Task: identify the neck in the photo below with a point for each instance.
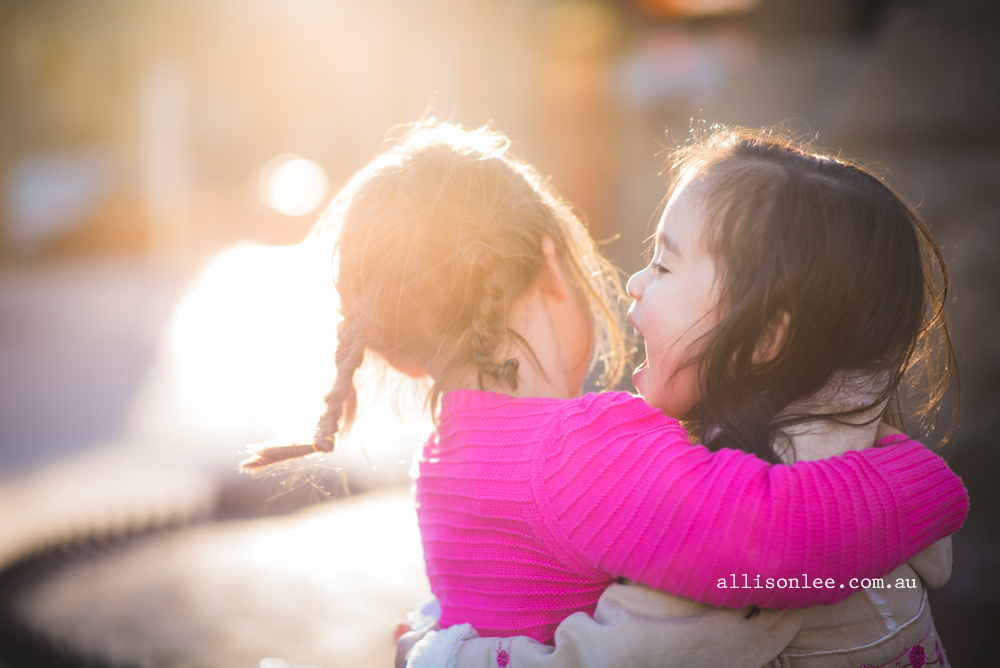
(819, 439)
(544, 370)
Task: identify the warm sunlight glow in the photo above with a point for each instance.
(292, 185)
(250, 356)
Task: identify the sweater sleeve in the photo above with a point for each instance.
(620, 489)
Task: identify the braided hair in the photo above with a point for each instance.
(436, 239)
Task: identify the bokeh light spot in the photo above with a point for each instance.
(292, 185)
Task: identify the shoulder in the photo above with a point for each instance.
(484, 408)
(592, 407)
(615, 412)
(895, 438)
(604, 429)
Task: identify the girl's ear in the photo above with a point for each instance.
(774, 338)
(553, 281)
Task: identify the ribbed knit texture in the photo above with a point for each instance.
(530, 508)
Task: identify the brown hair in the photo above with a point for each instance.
(436, 239)
(827, 247)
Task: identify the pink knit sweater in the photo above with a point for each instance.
(530, 508)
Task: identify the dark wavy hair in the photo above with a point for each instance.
(825, 251)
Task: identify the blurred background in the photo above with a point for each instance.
(161, 164)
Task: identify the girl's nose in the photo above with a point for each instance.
(635, 285)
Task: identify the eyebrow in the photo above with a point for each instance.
(669, 243)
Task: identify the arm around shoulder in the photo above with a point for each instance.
(622, 491)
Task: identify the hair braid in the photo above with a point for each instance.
(342, 399)
(488, 325)
(341, 402)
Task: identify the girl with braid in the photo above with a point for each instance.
(459, 263)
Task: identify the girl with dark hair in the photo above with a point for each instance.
(459, 263)
(787, 297)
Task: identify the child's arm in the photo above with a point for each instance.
(621, 491)
(632, 626)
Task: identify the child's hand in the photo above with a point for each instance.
(406, 642)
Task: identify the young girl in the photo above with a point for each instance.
(459, 263)
(787, 294)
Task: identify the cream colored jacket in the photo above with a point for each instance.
(636, 627)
